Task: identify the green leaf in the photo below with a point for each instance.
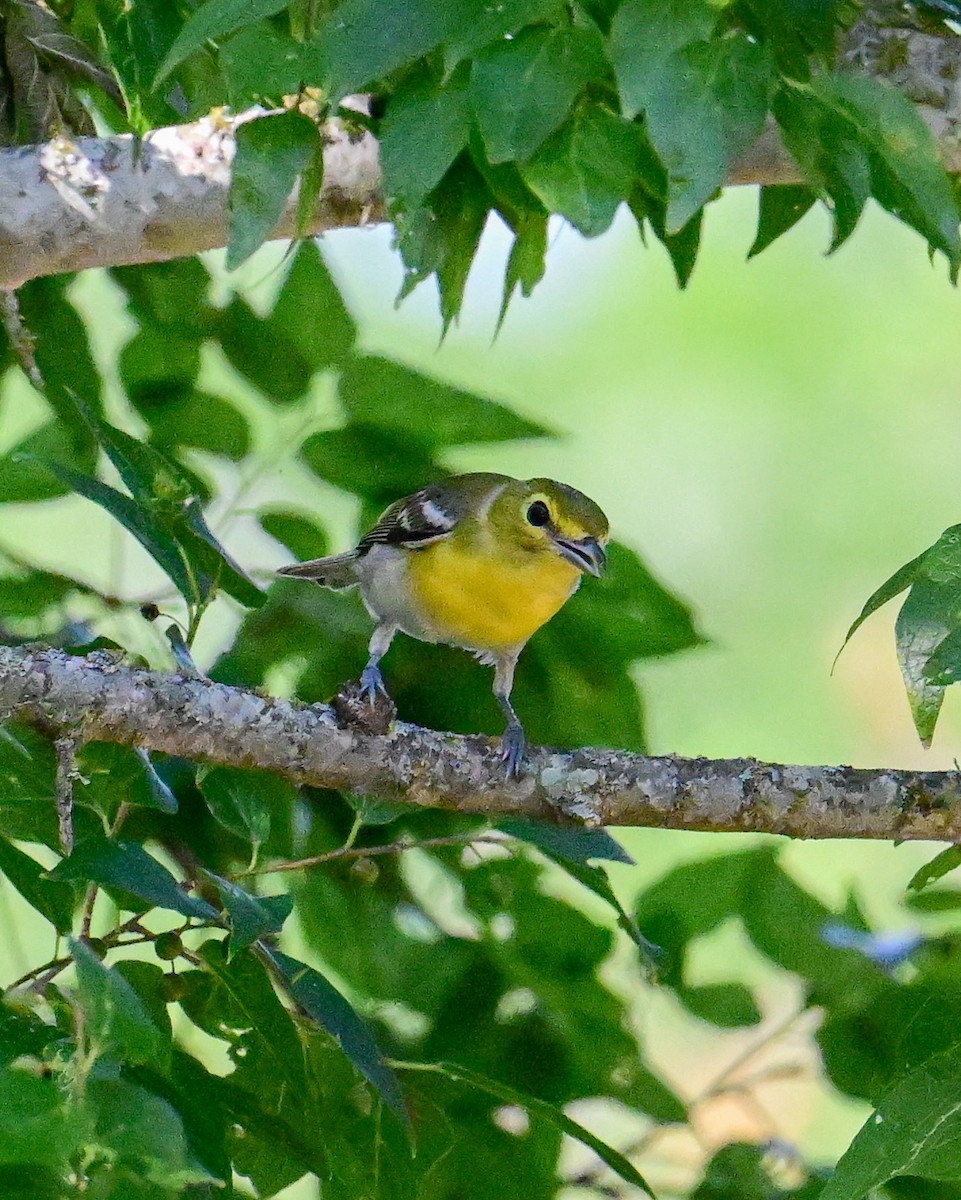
(419, 409)
(55, 901)
(230, 575)
(128, 866)
(325, 1005)
(362, 41)
(644, 36)
(213, 20)
(540, 1108)
(779, 209)
(311, 314)
(587, 168)
(523, 89)
(271, 152)
(369, 461)
(116, 1021)
(421, 134)
(572, 843)
(727, 1005)
(250, 917)
(926, 617)
(146, 1136)
(270, 354)
(475, 24)
(903, 577)
(948, 860)
(303, 537)
(916, 1131)
(527, 260)
(24, 478)
(242, 800)
(907, 177)
(707, 105)
(37, 1126)
(139, 521)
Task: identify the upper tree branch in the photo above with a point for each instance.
(86, 202)
(99, 699)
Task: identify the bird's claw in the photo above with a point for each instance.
(513, 746)
(372, 684)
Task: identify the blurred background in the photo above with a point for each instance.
(774, 442)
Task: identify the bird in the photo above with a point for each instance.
(480, 561)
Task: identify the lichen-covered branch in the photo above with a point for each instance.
(98, 698)
(73, 203)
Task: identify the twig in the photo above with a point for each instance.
(350, 851)
(66, 750)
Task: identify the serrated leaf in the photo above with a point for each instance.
(948, 860)
(55, 901)
(706, 106)
(779, 209)
(587, 168)
(903, 577)
(325, 1005)
(523, 89)
(272, 151)
(250, 917)
(915, 1131)
(116, 1021)
(527, 260)
(213, 20)
(128, 866)
(548, 1112)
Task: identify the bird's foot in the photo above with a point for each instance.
(372, 683)
(513, 746)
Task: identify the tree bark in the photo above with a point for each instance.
(98, 698)
(100, 202)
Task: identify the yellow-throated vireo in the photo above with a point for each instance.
(479, 561)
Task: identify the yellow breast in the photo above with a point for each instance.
(483, 602)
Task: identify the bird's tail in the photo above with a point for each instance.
(335, 571)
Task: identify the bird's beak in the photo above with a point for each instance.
(587, 554)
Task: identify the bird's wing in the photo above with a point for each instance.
(418, 520)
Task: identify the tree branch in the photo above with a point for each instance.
(97, 698)
(99, 202)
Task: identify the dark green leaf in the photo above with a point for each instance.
(644, 35)
(251, 917)
(421, 134)
(573, 843)
(780, 209)
(706, 106)
(55, 901)
(548, 1112)
(23, 477)
(325, 1005)
(364, 40)
(415, 407)
(37, 1126)
(242, 800)
(526, 263)
(303, 537)
(230, 575)
(728, 1005)
(116, 1021)
(903, 577)
(934, 900)
(926, 617)
(128, 866)
(369, 461)
(587, 168)
(139, 521)
(311, 312)
(948, 860)
(915, 1131)
(210, 21)
(523, 89)
(475, 24)
(271, 152)
(268, 352)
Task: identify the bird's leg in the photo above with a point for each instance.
(514, 742)
(371, 680)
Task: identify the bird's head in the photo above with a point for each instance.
(547, 515)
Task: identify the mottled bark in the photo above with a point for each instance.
(98, 698)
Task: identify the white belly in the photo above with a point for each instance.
(386, 590)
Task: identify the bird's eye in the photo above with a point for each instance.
(538, 513)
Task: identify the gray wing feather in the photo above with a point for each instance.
(417, 520)
(335, 571)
